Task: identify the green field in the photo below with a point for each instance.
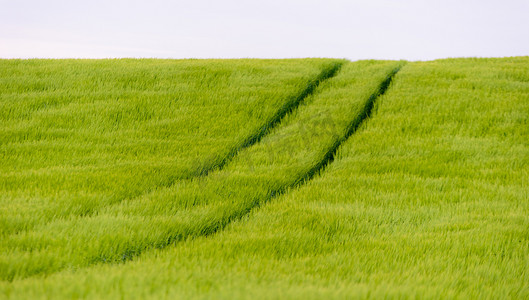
(301, 178)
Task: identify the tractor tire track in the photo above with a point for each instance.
(202, 171)
(328, 158)
(276, 119)
(225, 215)
(212, 225)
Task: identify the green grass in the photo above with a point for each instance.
(428, 198)
(76, 135)
(203, 205)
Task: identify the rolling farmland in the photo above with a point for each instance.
(306, 178)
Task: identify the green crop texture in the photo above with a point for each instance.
(304, 179)
(76, 136)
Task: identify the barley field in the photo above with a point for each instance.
(264, 179)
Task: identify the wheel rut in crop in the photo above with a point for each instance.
(290, 105)
(136, 242)
(286, 109)
(217, 224)
(327, 158)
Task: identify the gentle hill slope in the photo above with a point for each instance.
(428, 198)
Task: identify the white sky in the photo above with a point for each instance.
(380, 29)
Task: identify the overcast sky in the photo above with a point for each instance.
(380, 29)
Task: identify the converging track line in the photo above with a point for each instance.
(286, 109)
(208, 220)
(319, 167)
